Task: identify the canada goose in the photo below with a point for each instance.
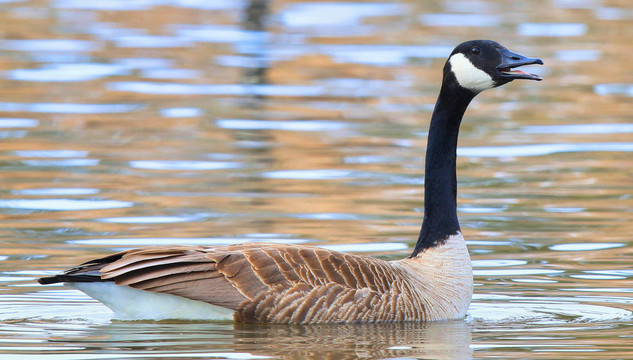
(279, 283)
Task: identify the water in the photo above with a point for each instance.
(129, 123)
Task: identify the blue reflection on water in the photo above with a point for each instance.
(181, 112)
(129, 5)
(131, 242)
(478, 20)
(540, 149)
(171, 73)
(578, 129)
(63, 204)
(53, 45)
(497, 262)
(552, 29)
(12, 134)
(576, 4)
(317, 174)
(302, 125)
(385, 246)
(138, 5)
(144, 63)
(382, 54)
(17, 122)
(51, 153)
(578, 55)
(57, 191)
(62, 162)
(183, 165)
(67, 72)
(68, 108)
(241, 61)
(378, 55)
(148, 219)
(219, 34)
(151, 41)
(336, 13)
(224, 89)
(610, 13)
(614, 89)
(585, 246)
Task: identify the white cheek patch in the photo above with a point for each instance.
(468, 75)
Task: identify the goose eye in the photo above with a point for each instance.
(475, 51)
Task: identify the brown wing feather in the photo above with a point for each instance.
(179, 270)
(302, 284)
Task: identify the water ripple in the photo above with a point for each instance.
(63, 204)
(222, 89)
(337, 13)
(151, 41)
(299, 125)
(67, 72)
(52, 45)
(133, 242)
(614, 89)
(541, 149)
(144, 63)
(578, 129)
(363, 247)
(383, 55)
(57, 191)
(51, 153)
(18, 122)
(584, 246)
(171, 73)
(317, 174)
(478, 20)
(515, 272)
(220, 34)
(110, 5)
(552, 29)
(149, 219)
(139, 5)
(578, 55)
(68, 108)
(181, 112)
(183, 165)
(497, 262)
(62, 162)
(542, 311)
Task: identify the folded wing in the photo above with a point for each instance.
(262, 282)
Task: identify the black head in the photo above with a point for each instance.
(478, 65)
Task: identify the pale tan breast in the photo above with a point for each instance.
(443, 278)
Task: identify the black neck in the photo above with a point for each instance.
(440, 179)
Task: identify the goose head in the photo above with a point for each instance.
(478, 65)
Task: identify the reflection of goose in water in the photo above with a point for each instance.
(410, 340)
(430, 340)
(302, 284)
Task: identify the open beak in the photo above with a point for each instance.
(510, 60)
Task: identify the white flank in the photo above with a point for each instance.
(133, 304)
(468, 75)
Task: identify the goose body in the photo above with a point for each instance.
(280, 283)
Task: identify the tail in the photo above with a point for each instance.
(86, 272)
(62, 278)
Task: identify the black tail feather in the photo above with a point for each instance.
(86, 272)
(69, 278)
